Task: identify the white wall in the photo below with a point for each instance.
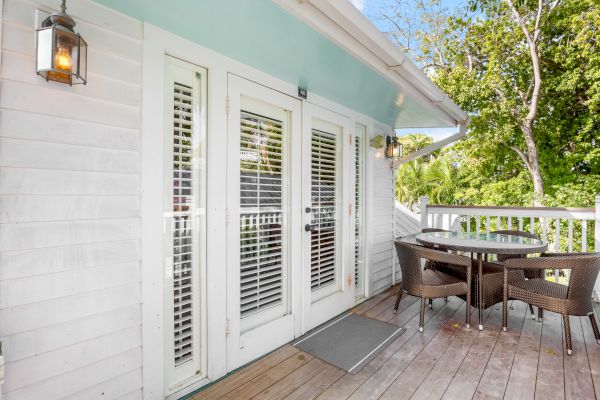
(69, 212)
(382, 222)
(70, 276)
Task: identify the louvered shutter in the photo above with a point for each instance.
(262, 244)
(324, 209)
(183, 208)
(184, 227)
(357, 208)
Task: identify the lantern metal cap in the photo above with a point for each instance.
(60, 18)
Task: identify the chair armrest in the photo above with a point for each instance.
(562, 261)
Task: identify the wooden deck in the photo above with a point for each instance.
(446, 361)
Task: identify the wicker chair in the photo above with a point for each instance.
(529, 274)
(430, 283)
(572, 299)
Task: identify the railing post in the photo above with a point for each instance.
(596, 294)
(597, 225)
(423, 201)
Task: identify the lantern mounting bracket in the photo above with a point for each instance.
(60, 18)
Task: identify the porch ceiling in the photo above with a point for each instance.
(266, 37)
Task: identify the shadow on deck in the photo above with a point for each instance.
(445, 361)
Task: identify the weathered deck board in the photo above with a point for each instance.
(446, 361)
(550, 383)
(521, 383)
(578, 378)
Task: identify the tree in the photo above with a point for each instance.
(528, 72)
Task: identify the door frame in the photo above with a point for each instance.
(156, 43)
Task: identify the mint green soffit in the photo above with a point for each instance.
(261, 34)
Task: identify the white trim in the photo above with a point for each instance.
(434, 146)
(156, 44)
(1, 8)
(375, 349)
(346, 26)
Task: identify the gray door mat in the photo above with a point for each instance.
(349, 341)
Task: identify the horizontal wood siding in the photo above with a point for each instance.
(382, 226)
(70, 312)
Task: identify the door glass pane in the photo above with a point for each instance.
(261, 213)
(324, 209)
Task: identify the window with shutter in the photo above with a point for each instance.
(358, 210)
(261, 213)
(183, 207)
(324, 209)
(184, 224)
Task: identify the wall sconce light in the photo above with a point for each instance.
(61, 53)
(393, 149)
(377, 142)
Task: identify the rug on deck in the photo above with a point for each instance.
(350, 341)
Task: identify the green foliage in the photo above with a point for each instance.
(482, 61)
(436, 177)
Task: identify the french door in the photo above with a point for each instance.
(262, 264)
(328, 262)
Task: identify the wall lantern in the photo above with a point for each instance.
(61, 52)
(393, 148)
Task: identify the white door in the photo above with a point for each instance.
(263, 268)
(328, 173)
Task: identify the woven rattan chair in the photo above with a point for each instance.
(529, 274)
(430, 283)
(572, 299)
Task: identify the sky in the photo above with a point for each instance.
(371, 9)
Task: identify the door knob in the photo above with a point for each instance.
(307, 210)
(309, 228)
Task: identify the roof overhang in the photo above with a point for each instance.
(342, 23)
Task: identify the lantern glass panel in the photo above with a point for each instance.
(44, 50)
(82, 66)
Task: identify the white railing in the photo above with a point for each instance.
(563, 229)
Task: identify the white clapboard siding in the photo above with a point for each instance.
(26, 208)
(65, 309)
(49, 260)
(42, 182)
(19, 12)
(18, 67)
(19, 236)
(24, 125)
(28, 371)
(381, 226)
(28, 344)
(16, 292)
(118, 387)
(70, 312)
(43, 155)
(79, 379)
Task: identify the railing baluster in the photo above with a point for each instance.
(468, 224)
(509, 222)
(583, 236)
(570, 235)
(532, 224)
(478, 223)
(521, 223)
(557, 246)
(487, 224)
(545, 230)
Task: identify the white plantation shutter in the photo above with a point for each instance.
(358, 210)
(183, 209)
(262, 242)
(324, 209)
(184, 183)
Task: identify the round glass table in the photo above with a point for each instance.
(479, 244)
